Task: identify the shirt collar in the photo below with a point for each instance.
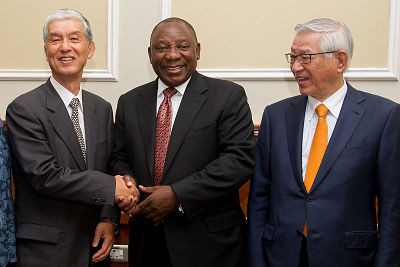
(65, 94)
(181, 88)
(333, 103)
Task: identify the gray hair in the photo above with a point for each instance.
(65, 13)
(335, 36)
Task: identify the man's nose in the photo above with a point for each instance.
(173, 54)
(296, 66)
(65, 45)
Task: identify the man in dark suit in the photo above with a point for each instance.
(189, 153)
(64, 201)
(312, 201)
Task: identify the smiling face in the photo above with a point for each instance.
(323, 76)
(173, 52)
(67, 49)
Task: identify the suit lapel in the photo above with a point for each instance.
(349, 117)
(146, 113)
(62, 124)
(90, 118)
(192, 101)
(294, 126)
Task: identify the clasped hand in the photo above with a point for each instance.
(126, 193)
(160, 202)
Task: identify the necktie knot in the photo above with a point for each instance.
(169, 92)
(321, 110)
(74, 103)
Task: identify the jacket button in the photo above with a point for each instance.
(309, 198)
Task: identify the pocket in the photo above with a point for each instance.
(224, 221)
(38, 232)
(269, 232)
(202, 130)
(361, 239)
(358, 149)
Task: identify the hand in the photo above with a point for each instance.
(160, 202)
(104, 230)
(128, 204)
(121, 188)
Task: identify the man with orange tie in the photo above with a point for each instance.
(322, 159)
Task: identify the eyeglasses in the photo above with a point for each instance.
(303, 58)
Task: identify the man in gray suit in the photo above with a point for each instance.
(61, 140)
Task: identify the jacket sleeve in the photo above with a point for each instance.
(36, 162)
(7, 227)
(234, 163)
(259, 196)
(119, 164)
(388, 188)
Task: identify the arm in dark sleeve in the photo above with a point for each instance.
(111, 212)
(259, 196)
(119, 164)
(234, 164)
(388, 191)
(29, 142)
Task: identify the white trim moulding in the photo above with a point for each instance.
(390, 73)
(109, 74)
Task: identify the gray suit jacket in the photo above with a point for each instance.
(59, 199)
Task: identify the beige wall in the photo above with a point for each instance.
(136, 20)
(257, 33)
(24, 40)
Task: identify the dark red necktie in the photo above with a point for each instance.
(163, 132)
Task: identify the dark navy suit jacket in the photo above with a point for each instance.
(362, 161)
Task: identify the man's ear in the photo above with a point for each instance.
(198, 51)
(92, 47)
(149, 53)
(342, 59)
(45, 52)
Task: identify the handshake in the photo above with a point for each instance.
(126, 193)
(160, 201)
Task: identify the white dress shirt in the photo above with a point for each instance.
(175, 99)
(334, 104)
(66, 97)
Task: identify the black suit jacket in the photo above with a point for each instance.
(59, 199)
(210, 155)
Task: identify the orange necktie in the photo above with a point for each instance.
(318, 147)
